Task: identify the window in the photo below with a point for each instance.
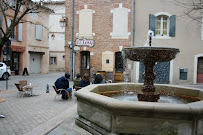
(53, 61)
(38, 32)
(162, 24)
(14, 33)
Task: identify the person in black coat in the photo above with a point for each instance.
(63, 83)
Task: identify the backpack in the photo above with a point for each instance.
(64, 94)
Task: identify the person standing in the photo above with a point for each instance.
(63, 83)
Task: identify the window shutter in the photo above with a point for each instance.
(8, 22)
(38, 32)
(172, 31)
(20, 32)
(152, 23)
(202, 30)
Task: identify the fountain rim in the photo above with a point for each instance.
(134, 106)
(151, 48)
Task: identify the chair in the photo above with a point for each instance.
(21, 90)
(23, 83)
(58, 91)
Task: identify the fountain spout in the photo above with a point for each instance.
(151, 34)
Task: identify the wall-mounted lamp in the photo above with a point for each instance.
(52, 36)
(76, 49)
(63, 22)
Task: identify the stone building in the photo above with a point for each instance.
(56, 36)
(101, 29)
(172, 29)
(29, 42)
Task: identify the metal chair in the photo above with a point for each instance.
(21, 90)
(58, 91)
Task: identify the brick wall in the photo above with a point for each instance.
(102, 27)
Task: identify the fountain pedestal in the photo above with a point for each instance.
(148, 90)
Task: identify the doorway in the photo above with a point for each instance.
(119, 62)
(15, 63)
(85, 63)
(34, 63)
(200, 70)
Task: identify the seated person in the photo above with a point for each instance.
(76, 81)
(84, 81)
(99, 79)
(63, 83)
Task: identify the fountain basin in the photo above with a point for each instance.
(104, 115)
(156, 54)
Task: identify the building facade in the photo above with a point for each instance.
(29, 43)
(57, 36)
(102, 28)
(172, 29)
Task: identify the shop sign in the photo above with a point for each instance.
(84, 42)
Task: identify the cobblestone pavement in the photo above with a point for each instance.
(33, 115)
(40, 114)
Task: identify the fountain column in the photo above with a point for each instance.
(148, 90)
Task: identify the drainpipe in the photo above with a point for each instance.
(133, 44)
(133, 23)
(71, 51)
(1, 24)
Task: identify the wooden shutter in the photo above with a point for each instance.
(20, 32)
(152, 23)
(172, 31)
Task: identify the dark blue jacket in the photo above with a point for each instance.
(62, 83)
(83, 84)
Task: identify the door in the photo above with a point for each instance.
(162, 71)
(119, 62)
(85, 63)
(200, 70)
(15, 61)
(34, 63)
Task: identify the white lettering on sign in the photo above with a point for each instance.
(85, 42)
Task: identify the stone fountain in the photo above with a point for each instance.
(100, 114)
(149, 56)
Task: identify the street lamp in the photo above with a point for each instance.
(63, 22)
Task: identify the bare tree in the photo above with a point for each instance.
(19, 9)
(192, 8)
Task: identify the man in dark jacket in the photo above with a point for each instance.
(63, 83)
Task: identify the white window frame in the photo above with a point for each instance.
(159, 36)
(161, 29)
(53, 60)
